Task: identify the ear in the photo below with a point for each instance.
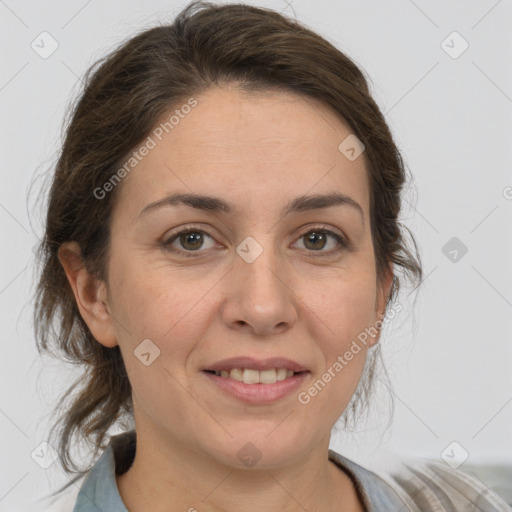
(90, 295)
(383, 290)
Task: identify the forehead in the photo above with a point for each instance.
(268, 145)
(229, 121)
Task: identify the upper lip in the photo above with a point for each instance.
(256, 364)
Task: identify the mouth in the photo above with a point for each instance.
(256, 381)
(249, 376)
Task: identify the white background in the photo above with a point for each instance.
(450, 356)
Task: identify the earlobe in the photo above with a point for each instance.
(90, 295)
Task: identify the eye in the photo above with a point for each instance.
(190, 240)
(317, 239)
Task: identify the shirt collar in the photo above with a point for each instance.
(99, 492)
(374, 492)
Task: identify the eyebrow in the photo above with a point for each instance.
(216, 204)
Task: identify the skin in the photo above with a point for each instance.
(257, 151)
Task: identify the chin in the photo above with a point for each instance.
(256, 449)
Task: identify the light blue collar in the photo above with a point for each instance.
(99, 492)
(376, 494)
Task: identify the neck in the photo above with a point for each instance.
(167, 475)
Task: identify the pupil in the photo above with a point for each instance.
(193, 237)
(315, 237)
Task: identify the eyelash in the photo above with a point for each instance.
(194, 254)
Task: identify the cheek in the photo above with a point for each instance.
(153, 301)
(343, 311)
(167, 307)
(343, 306)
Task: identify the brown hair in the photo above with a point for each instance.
(124, 95)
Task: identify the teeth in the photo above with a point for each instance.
(256, 377)
(281, 374)
(237, 374)
(268, 376)
(251, 376)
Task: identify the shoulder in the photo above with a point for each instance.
(421, 485)
(434, 486)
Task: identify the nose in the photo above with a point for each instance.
(260, 298)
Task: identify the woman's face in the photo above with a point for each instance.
(250, 280)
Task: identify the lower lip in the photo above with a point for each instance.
(258, 393)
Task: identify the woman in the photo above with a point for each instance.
(222, 248)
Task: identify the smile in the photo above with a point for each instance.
(247, 385)
(248, 376)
